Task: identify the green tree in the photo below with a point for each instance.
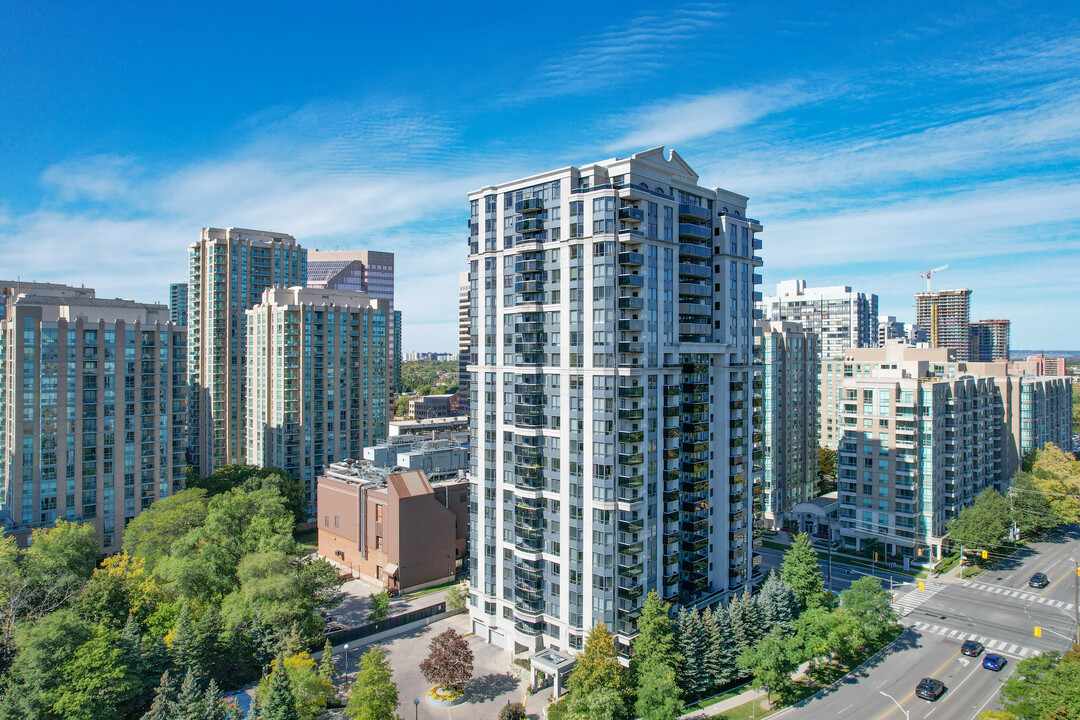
(602, 703)
(380, 606)
(870, 605)
(189, 701)
(373, 696)
(41, 651)
(778, 602)
(694, 644)
(1031, 508)
(655, 643)
(771, 661)
(183, 644)
(513, 711)
(720, 654)
(252, 478)
(801, 572)
(97, 683)
(826, 470)
(278, 702)
(598, 665)
(658, 693)
(310, 690)
(152, 533)
(327, 666)
(456, 598)
(984, 524)
(401, 407)
(162, 707)
(1044, 687)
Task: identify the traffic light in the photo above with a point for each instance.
(920, 553)
(984, 554)
(921, 585)
(1038, 631)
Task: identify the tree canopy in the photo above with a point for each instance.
(373, 696)
(801, 572)
(984, 524)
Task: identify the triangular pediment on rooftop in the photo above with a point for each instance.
(673, 164)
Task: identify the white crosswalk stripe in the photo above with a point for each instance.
(989, 643)
(917, 597)
(1018, 594)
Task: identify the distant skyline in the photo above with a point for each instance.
(874, 142)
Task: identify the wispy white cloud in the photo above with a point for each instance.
(634, 47)
(702, 116)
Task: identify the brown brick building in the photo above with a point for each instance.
(396, 530)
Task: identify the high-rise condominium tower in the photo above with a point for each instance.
(464, 342)
(841, 317)
(228, 271)
(367, 271)
(611, 397)
(316, 371)
(93, 410)
(990, 340)
(178, 303)
(946, 315)
(791, 366)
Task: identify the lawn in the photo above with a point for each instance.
(309, 540)
(702, 704)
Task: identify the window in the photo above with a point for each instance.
(378, 513)
(337, 521)
(378, 542)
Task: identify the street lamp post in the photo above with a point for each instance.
(346, 667)
(907, 715)
(416, 708)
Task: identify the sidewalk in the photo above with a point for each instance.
(741, 699)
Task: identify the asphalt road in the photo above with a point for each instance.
(997, 607)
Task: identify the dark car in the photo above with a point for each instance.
(971, 648)
(993, 662)
(333, 627)
(930, 689)
(1039, 580)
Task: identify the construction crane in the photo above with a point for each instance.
(928, 273)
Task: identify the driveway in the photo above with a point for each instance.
(493, 685)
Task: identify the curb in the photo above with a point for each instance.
(806, 701)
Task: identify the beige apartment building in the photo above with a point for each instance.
(920, 434)
(316, 378)
(394, 529)
(228, 269)
(93, 408)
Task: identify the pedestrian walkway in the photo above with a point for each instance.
(917, 597)
(1019, 594)
(998, 646)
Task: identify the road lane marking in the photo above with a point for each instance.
(989, 643)
(848, 707)
(931, 712)
(1051, 585)
(1013, 648)
(883, 682)
(912, 693)
(1042, 600)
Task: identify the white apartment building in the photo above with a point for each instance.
(842, 318)
(920, 434)
(317, 375)
(612, 413)
(228, 269)
(790, 371)
(93, 408)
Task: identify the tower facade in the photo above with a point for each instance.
(946, 315)
(464, 342)
(790, 370)
(178, 303)
(228, 269)
(841, 317)
(93, 403)
(612, 413)
(990, 340)
(316, 370)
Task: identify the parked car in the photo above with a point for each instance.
(993, 662)
(333, 627)
(971, 648)
(930, 689)
(1039, 580)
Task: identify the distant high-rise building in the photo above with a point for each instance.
(915, 334)
(316, 373)
(93, 403)
(946, 315)
(841, 317)
(368, 271)
(464, 342)
(612, 400)
(790, 363)
(178, 301)
(228, 271)
(921, 434)
(1047, 365)
(990, 340)
(889, 329)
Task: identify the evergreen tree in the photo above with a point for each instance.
(720, 655)
(694, 644)
(213, 705)
(184, 645)
(131, 645)
(162, 708)
(741, 633)
(598, 665)
(753, 617)
(189, 703)
(208, 646)
(373, 696)
(327, 666)
(778, 603)
(658, 693)
(801, 572)
(655, 643)
(279, 703)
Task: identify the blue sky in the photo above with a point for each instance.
(875, 140)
